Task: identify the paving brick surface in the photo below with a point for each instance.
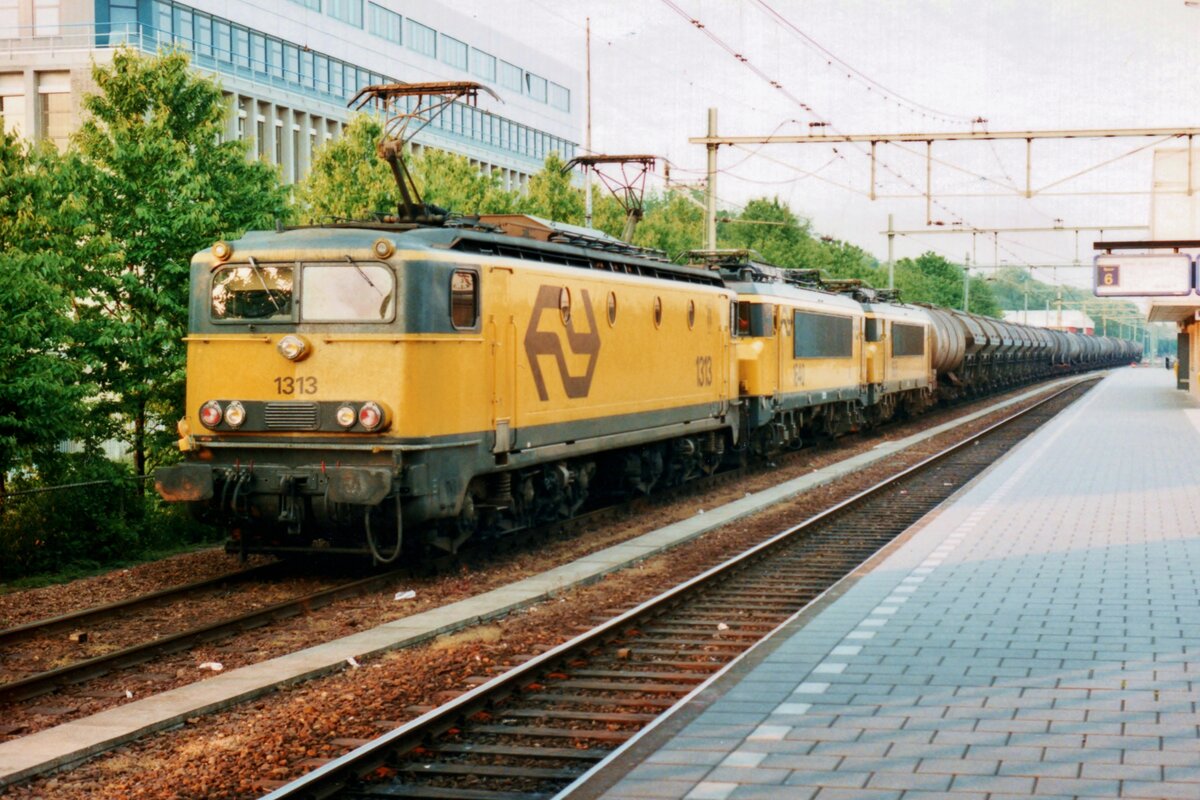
(1039, 637)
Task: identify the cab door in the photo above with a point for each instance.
(501, 337)
(875, 347)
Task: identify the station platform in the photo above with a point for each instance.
(1039, 636)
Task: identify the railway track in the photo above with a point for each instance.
(533, 730)
(90, 668)
(90, 616)
(83, 670)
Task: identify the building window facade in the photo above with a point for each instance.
(560, 97)
(421, 38)
(45, 17)
(10, 19)
(535, 86)
(241, 47)
(203, 34)
(222, 46)
(348, 11)
(122, 19)
(511, 76)
(385, 24)
(12, 103)
(453, 51)
(483, 66)
(54, 107)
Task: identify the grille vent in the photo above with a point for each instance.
(291, 416)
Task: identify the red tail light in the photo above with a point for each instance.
(370, 416)
(211, 414)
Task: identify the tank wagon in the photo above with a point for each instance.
(391, 388)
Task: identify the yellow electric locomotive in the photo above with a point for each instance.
(900, 373)
(354, 386)
(799, 351)
(819, 358)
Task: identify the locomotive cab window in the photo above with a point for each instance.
(254, 292)
(873, 330)
(743, 319)
(464, 299)
(755, 319)
(347, 292)
(336, 292)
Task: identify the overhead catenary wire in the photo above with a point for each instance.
(637, 54)
(954, 217)
(745, 61)
(853, 73)
(811, 173)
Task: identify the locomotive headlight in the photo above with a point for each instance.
(293, 348)
(235, 414)
(346, 416)
(370, 416)
(210, 414)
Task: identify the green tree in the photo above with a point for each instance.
(450, 181)
(770, 228)
(162, 185)
(551, 194)
(673, 224)
(843, 260)
(347, 179)
(41, 389)
(983, 301)
(607, 213)
(931, 278)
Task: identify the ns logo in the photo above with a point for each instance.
(548, 343)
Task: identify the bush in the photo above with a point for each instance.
(108, 520)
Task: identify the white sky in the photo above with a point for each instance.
(1021, 64)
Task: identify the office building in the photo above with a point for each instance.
(289, 67)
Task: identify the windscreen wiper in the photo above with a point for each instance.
(261, 279)
(364, 275)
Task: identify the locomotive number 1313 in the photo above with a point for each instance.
(302, 385)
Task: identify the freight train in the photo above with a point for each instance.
(392, 388)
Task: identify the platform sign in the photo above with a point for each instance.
(1143, 275)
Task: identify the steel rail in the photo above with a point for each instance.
(330, 779)
(52, 680)
(75, 618)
